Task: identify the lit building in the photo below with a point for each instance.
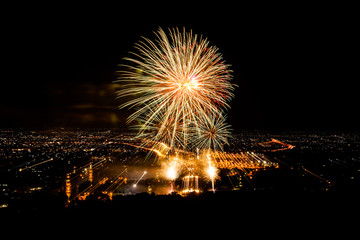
(68, 186)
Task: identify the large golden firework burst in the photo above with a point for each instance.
(179, 86)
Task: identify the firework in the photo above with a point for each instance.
(212, 133)
(136, 183)
(212, 174)
(179, 86)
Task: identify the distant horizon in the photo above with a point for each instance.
(237, 131)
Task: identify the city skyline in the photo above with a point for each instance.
(294, 71)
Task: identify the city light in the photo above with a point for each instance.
(120, 168)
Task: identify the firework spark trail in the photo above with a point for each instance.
(116, 183)
(178, 83)
(36, 164)
(135, 184)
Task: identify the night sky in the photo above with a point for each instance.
(294, 65)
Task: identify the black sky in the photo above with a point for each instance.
(294, 65)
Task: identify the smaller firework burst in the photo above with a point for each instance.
(212, 132)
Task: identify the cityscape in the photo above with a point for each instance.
(230, 111)
(68, 168)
